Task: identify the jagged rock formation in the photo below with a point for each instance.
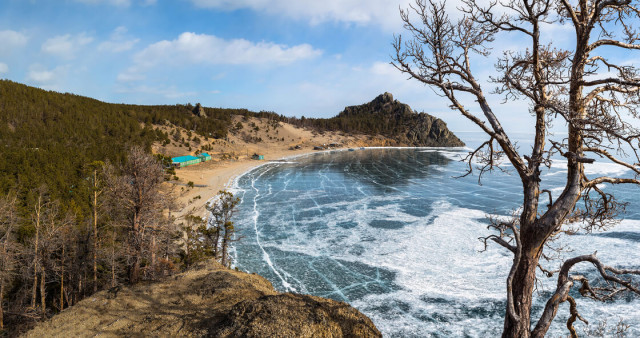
(399, 122)
(207, 301)
(198, 110)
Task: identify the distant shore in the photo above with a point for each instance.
(211, 177)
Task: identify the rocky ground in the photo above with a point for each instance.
(208, 300)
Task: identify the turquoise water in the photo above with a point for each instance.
(391, 232)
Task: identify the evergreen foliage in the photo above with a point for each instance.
(51, 138)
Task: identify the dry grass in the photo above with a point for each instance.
(207, 301)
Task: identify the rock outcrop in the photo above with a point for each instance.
(207, 301)
(198, 110)
(399, 122)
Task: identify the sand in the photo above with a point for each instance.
(232, 157)
(211, 177)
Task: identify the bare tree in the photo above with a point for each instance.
(8, 247)
(581, 88)
(138, 203)
(221, 228)
(95, 168)
(40, 209)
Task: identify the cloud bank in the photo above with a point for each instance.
(376, 12)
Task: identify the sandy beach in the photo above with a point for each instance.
(231, 157)
(211, 177)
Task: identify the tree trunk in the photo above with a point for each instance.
(216, 241)
(95, 232)
(5, 266)
(42, 291)
(136, 246)
(62, 282)
(153, 251)
(35, 258)
(2, 304)
(225, 245)
(113, 258)
(522, 293)
(134, 270)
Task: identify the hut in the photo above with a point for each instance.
(183, 161)
(204, 157)
(257, 157)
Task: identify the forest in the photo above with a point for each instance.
(71, 223)
(81, 203)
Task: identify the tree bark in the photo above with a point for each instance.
(34, 292)
(62, 282)
(2, 304)
(42, 291)
(153, 251)
(113, 258)
(134, 269)
(522, 291)
(95, 231)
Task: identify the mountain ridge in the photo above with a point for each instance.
(403, 124)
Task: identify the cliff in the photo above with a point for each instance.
(207, 301)
(399, 122)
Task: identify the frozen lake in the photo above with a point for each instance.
(391, 232)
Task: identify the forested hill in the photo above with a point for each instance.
(51, 138)
(393, 119)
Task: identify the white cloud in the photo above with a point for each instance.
(11, 39)
(202, 49)
(130, 76)
(66, 46)
(170, 92)
(377, 12)
(41, 75)
(208, 49)
(4, 68)
(118, 42)
(118, 3)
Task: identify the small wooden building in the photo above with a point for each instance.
(204, 157)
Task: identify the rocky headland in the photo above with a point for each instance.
(397, 121)
(211, 301)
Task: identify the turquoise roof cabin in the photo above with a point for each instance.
(204, 157)
(183, 161)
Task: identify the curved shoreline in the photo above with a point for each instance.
(211, 177)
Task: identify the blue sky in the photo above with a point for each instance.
(302, 57)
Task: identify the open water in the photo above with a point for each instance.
(393, 233)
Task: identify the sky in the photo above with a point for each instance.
(295, 57)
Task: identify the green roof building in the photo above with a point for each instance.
(183, 161)
(204, 157)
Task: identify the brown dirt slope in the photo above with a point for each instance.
(207, 301)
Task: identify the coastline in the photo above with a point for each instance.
(211, 177)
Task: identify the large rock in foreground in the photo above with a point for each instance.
(207, 301)
(397, 121)
(293, 315)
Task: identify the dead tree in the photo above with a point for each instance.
(95, 168)
(221, 228)
(580, 88)
(8, 247)
(138, 203)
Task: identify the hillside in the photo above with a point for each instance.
(64, 230)
(207, 301)
(393, 120)
(49, 138)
